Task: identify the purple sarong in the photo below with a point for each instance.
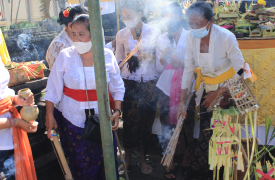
(85, 158)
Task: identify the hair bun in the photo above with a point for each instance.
(67, 14)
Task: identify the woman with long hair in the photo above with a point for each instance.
(140, 77)
(170, 55)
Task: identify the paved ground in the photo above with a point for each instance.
(153, 158)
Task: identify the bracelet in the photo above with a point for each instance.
(118, 111)
(10, 122)
(14, 123)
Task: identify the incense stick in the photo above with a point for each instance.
(170, 150)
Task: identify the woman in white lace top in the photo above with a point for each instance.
(65, 38)
(66, 84)
(140, 77)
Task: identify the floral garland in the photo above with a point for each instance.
(66, 12)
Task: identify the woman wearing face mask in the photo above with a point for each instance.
(140, 77)
(215, 50)
(65, 38)
(72, 74)
(170, 53)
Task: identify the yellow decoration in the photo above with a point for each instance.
(3, 50)
(221, 152)
(262, 61)
(72, 2)
(262, 2)
(217, 80)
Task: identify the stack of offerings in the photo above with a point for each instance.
(226, 15)
(248, 23)
(258, 21)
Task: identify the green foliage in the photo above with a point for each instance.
(266, 148)
(267, 128)
(24, 25)
(20, 25)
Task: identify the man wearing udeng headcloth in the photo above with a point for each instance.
(215, 50)
(140, 78)
(170, 54)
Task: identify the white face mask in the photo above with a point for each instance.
(83, 47)
(131, 24)
(200, 33)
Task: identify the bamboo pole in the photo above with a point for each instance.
(61, 157)
(117, 16)
(121, 156)
(102, 89)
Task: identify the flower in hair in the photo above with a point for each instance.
(66, 12)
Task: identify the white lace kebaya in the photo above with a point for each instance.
(59, 43)
(124, 45)
(68, 71)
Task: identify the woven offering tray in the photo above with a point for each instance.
(241, 94)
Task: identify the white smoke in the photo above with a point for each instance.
(9, 168)
(167, 133)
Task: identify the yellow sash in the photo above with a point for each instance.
(216, 80)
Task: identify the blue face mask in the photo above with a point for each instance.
(200, 33)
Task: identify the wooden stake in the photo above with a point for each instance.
(61, 157)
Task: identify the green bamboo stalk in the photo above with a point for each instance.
(102, 89)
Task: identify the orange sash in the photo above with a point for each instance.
(23, 160)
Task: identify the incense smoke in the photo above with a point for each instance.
(167, 132)
(9, 168)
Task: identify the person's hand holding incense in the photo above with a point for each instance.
(209, 98)
(166, 51)
(182, 108)
(181, 111)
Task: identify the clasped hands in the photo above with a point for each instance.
(174, 60)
